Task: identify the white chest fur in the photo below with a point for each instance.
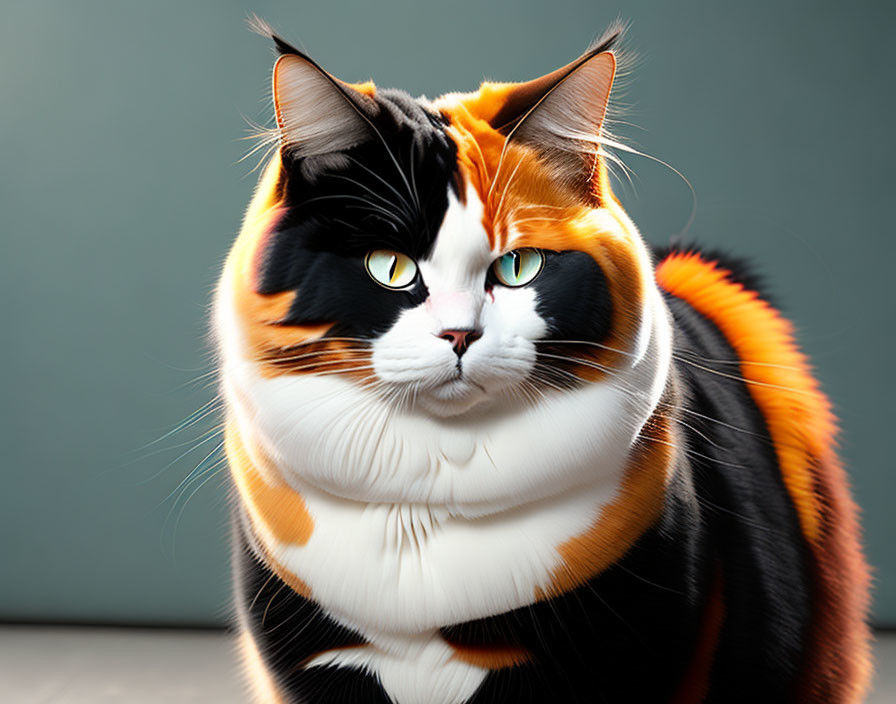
(409, 568)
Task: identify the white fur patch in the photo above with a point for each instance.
(413, 670)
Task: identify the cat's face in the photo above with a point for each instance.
(437, 267)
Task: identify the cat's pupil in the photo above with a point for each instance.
(392, 265)
(517, 263)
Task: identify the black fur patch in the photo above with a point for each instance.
(392, 193)
(573, 297)
(290, 629)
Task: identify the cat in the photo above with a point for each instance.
(488, 446)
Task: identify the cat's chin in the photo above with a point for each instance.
(453, 398)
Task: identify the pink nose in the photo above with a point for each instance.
(460, 339)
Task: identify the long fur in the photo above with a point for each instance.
(613, 479)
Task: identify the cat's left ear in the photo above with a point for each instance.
(561, 115)
(317, 114)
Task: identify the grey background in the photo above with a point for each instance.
(122, 187)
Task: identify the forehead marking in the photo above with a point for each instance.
(463, 232)
(462, 249)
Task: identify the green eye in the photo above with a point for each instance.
(391, 269)
(518, 267)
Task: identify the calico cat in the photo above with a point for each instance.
(489, 447)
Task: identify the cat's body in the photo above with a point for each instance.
(520, 457)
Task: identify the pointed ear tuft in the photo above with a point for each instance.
(316, 113)
(263, 28)
(609, 40)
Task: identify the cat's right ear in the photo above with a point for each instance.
(317, 114)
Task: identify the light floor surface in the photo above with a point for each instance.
(56, 665)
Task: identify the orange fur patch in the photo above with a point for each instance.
(491, 657)
(637, 506)
(367, 88)
(277, 509)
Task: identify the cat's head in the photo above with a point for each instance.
(452, 263)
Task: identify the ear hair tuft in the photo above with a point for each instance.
(610, 38)
(263, 28)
